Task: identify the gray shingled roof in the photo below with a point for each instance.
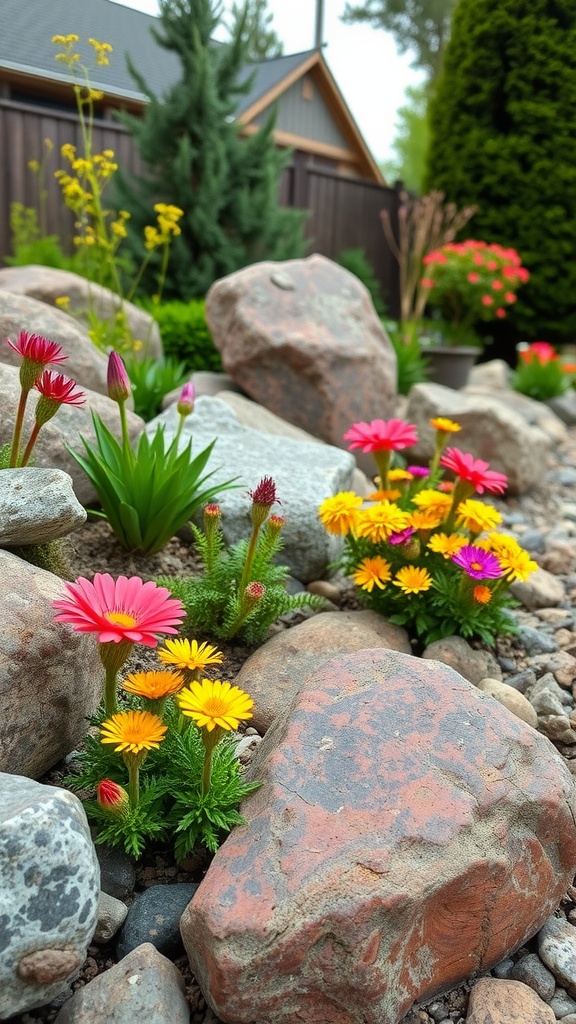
(27, 27)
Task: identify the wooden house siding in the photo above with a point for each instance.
(344, 211)
(309, 118)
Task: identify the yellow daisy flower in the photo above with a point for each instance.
(444, 425)
(338, 514)
(372, 572)
(188, 654)
(477, 516)
(396, 476)
(379, 521)
(516, 565)
(384, 495)
(211, 703)
(431, 499)
(412, 580)
(446, 544)
(153, 685)
(133, 731)
(426, 519)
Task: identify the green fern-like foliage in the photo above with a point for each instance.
(212, 601)
(171, 805)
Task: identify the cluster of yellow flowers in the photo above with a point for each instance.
(166, 226)
(68, 55)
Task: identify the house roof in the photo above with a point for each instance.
(26, 49)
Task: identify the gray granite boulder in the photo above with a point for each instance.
(144, 986)
(48, 284)
(49, 883)
(51, 678)
(64, 429)
(85, 363)
(36, 506)
(491, 430)
(305, 474)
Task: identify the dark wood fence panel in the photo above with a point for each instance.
(344, 213)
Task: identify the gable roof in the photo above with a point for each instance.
(27, 28)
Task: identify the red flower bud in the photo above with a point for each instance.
(112, 798)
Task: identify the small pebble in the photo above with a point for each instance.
(530, 970)
(155, 917)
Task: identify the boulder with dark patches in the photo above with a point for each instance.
(49, 884)
(409, 832)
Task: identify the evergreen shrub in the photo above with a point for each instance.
(503, 136)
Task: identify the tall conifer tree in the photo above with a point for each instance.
(194, 158)
(503, 136)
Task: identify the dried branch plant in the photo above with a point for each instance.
(424, 224)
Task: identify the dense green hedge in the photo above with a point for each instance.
(185, 334)
(503, 135)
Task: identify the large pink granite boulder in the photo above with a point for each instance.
(303, 339)
(409, 832)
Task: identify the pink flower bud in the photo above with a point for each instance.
(118, 382)
(112, 798)
(186, 401)
(263, 497)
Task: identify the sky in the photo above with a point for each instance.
(369, 72)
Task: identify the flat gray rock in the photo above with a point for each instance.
(305, 474)
(37, 505)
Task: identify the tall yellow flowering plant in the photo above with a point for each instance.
(100, 230)
(423, 550)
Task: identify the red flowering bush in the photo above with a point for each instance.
(471, 281)
(541, 373)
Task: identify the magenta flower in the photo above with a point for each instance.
(186, 401)
(401, 536)
(121, 610)
(381, 435)
(476, 472)
(57, 388)
(37, 349)
(477, 563)
(117, 379)
(419, 471)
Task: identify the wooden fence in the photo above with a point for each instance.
(344, 212)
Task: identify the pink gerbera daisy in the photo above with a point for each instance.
(476, 472)
(381, 435)
(121, 610)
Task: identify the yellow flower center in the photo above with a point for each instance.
(120, 619)
(216, 707)
(476, 566)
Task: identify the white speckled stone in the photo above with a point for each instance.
(37, 505)
(557, 948)
(49, 884)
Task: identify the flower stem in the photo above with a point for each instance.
(133, 782)
(31, 443)
(206, 772)
(382, 460)
(16, 436)
(249, 559)
(110, 702)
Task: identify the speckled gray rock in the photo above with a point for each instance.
(49, 883)
(557, 948)
(472, 664)
(530, 970)
(64, 429)
(491, 429)
(37, 505)
(144, 986)
(305, 474)
(562, 1003)
(111, 917)
(541, 590)
(48, 283)
(85, 363)
(51, 677)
